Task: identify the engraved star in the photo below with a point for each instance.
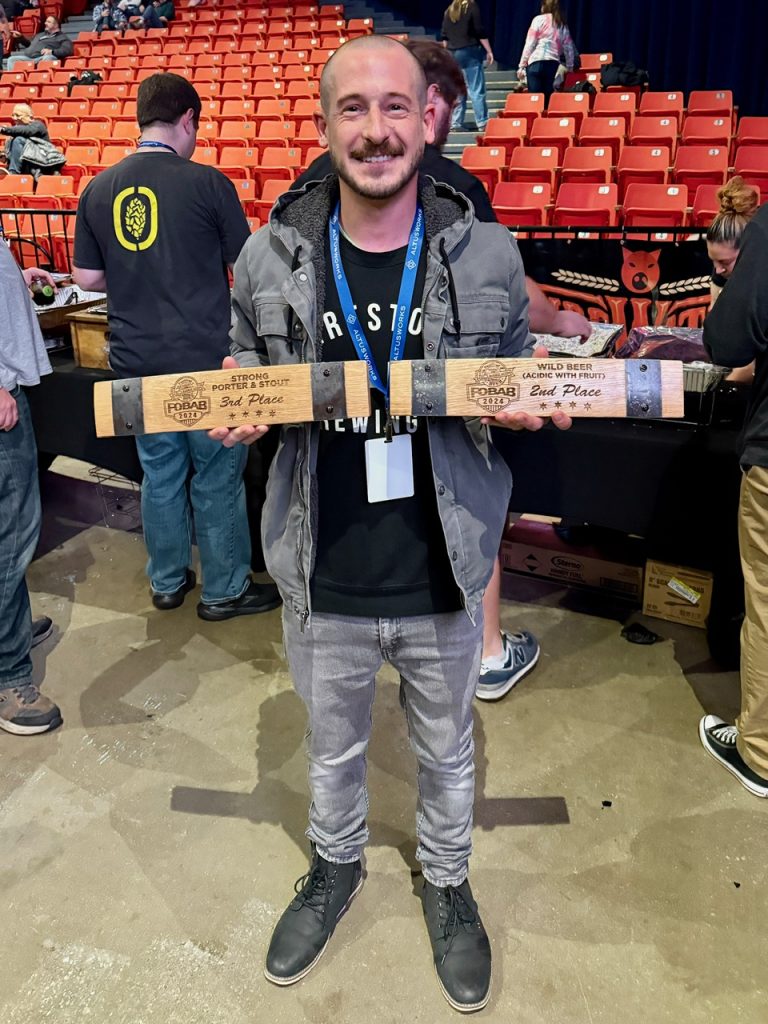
(232, 416)
(543, 405)
(245, 415)
(573, 405)
(558, 405)
(271, 413)
(587, 406)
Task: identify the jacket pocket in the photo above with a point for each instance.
(281, 332)
(483, 323)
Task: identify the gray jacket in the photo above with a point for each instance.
(278, 299)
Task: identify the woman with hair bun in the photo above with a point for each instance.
(738, 202)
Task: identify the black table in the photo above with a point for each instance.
(62, 413)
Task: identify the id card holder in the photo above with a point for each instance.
(389, 468)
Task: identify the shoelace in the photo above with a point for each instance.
(458, 912)
(313, 889)
(725, 734)
(27, 694)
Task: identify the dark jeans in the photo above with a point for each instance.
(151, 17)
(19, 531)
(541, 77)
(107, 22)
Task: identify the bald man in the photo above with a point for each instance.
(25, 126)
(381, 533)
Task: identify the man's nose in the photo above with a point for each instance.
(375, 126)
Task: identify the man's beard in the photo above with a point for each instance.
(375, 189)
(442, 128)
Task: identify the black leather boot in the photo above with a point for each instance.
(460, 946)
(304, 930)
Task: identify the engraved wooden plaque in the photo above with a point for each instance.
(645, 388)
(229, 398)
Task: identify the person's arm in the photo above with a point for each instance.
(478, 30)
(231, 222)
(736, 330)
(530, 43)
(444, 28)
(32, 130)
(546, 318)
(88, 270)
(569, 50)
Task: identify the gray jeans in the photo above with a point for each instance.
(334, 665)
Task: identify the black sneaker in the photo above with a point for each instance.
(258, 597)
(719, 740)
(460, 946)
(166, 602)
(24, 711)
(304, 930)
(41, 630)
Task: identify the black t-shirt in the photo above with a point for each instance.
(163, 229)
(467, 31)
(389, 558)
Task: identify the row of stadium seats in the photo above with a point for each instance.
(712, 103)
(691, 166)
(521, 204)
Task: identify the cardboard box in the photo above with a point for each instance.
(677, 593)
(532, 548)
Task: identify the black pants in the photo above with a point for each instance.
(541, 77)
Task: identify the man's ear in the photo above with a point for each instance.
(322, 126)
(429, 123)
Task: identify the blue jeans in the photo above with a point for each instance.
(14, 151)
(334, 664)
(151, 17)
(20, 58)
(541, 77)
(217, 496)
(471, 60)
(19, 531)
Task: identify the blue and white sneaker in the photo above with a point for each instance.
(520, 652)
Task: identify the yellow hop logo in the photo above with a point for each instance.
(136, 217)
(136, 225)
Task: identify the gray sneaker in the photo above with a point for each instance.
(521, 652)
(24, 711)
(41, 630)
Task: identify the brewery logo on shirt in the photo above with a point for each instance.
(492, 388)
(134, 216)
(186, 404)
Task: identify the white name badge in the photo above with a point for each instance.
(389, 468)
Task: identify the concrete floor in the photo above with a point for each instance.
(149, 846)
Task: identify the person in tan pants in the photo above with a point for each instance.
(736, 333)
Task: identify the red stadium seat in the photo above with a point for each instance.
(654, 131)
(604, 131)
(536, 164)
(752, 131)
(663, 104)
(507, 133)
(586, 205)
(570, 104)
(706, 206)
(751, 163)
(558, 132)
(648, 165)
(587, 164)
(616, 104)
(700, 165)
(486, 162)
(706, 130)
(655, 206)
(522, 204)
(528, 105)
(711, 103)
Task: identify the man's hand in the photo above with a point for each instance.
(569, 324)
(247, 434)
(36, 274)
(9, 413)
(526, 420)
(46, 53)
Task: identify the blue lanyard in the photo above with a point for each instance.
(404, 299)
(157, 145)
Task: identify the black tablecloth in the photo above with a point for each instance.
(62, 413)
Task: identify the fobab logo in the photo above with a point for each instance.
(185, 403)
(492, 388)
